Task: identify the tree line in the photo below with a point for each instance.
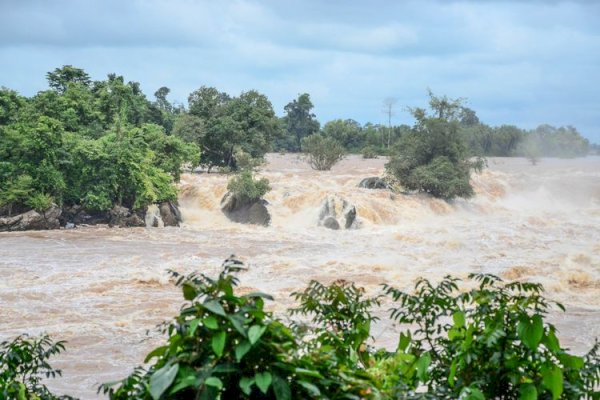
(104, 143)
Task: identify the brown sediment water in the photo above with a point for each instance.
(101, 289)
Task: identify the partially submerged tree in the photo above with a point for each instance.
(433, 157)
(322, 152)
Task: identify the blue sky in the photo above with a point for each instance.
(516, 62)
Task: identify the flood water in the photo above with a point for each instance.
(100, 289)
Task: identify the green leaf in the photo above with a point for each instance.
(238, 324)
(22, 395)
(474, 394)
(453, 369)
(422, 365)
(241, 350)
(187, 381)
(246, 385)
(214, 382)
(569, 361)
(255, 333)
(218, 343)
(404, 341)
(531, 332)
(281, 388)
(161, 379)
(551, 341)
(528, 391)
(263, 381)
(157, 352)
(459, 319)
(189, 291)
(553, 380)
(312, 389)
(215, 307)
(211, 322)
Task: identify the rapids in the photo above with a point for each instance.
(101, 289)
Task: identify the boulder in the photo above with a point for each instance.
(32, 220)
(170, 214)
(245, 212)
(374, 182)
(336, 213)
(78, 215)
(123, 217)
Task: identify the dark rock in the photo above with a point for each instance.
(123, 217)
(331, 223)
(32, 220)
(78, 215)
(254, 212)
(374, 182)
(338, 209)
(170, 213)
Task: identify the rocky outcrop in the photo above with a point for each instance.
(245, 212)
(32, 220)
(169, 213)
(374, 182)
(123, 217)
(337, 213)
(78, 215)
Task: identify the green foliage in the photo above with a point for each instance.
(369, 152)
(490, 341)
(246, 189)
(433, 157)
(299, 122)
(222, 125)
(322, 152)
(23, 363)
(40, 202)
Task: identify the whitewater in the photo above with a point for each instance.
(102, 289)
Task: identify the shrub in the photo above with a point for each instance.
(246, 189)
(369, 152)
(23, 362)
(40, 202)
(245, 161)
(490, 342)
(433, 156)
(322, 152)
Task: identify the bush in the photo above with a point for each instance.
(322, 152)
(246, 189)
(369, 152)
(23, 362)
(433, 156)
(40, 202)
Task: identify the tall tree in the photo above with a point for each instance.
(388, 109)
(299, 120)
(60, 78)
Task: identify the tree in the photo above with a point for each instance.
(299, 120)
(246, 123)
(322, 152)
(347, 132)
(433, 157)
(61, 78)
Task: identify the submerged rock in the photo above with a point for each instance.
(374, 182)
(32, 220)
(254, 212)
(336, 213)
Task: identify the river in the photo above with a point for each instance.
(101, 289)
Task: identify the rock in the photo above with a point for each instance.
(123, 217)
(373, 182)
(254, 212)
(32, 220)
(69, 225)
(337, 212)
(78, 215)
(331, 223)
(170, 214)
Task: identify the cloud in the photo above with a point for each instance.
(522, 63)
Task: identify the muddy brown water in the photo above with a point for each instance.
(101, 289)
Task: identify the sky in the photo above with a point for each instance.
(523, 63)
